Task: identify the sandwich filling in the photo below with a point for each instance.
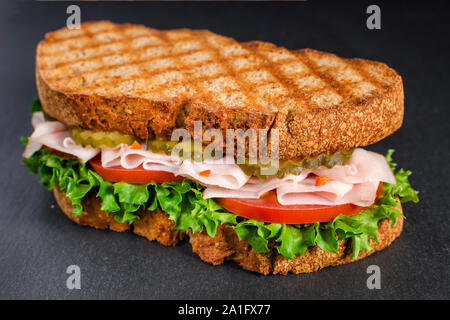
(312, 205)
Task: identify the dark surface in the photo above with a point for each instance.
(37, 242)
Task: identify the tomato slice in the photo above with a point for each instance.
(268, 209)
(135, 176)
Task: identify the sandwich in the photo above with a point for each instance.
(111, 97)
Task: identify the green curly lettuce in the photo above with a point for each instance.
(183, 201)
(35, 106)
(184, 204)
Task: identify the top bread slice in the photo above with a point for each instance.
(145, 82)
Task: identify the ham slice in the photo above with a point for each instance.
(362, 166)
(221, 174)
(253, 189)
(305, 192)
(129, 158)
(55, 135)
(356, 182)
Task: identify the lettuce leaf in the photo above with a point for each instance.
(184, 204)
(183, 201)
(35, 106)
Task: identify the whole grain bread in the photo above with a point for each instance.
(146, 82)
(153, 225)
(225, 245)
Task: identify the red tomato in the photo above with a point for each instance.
(268, 209)
(136, 176)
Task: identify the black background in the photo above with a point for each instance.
(37, 242)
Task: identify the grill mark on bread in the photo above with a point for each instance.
(358, 65)
(325, 77)
(136, 62)
(283, 80)
(344, 78)
(229, 71)
(269, 87)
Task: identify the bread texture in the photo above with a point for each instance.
(225, 245)
(153, 225)
(146, 82)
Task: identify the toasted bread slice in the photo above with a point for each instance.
(153, 225)
(145, 82)
(225, 245)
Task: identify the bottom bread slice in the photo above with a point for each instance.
(153, 225)
(225, 245)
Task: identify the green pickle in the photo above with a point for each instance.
(161, 146)
(97, 139)
(164, 146)
(294, 167)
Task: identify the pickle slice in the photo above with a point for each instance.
(296, 167)
(185, 150)
(293, 166)
(161, 146)
(97, 139)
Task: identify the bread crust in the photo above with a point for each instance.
(153, 225)
(308, 126)
(225, 245)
